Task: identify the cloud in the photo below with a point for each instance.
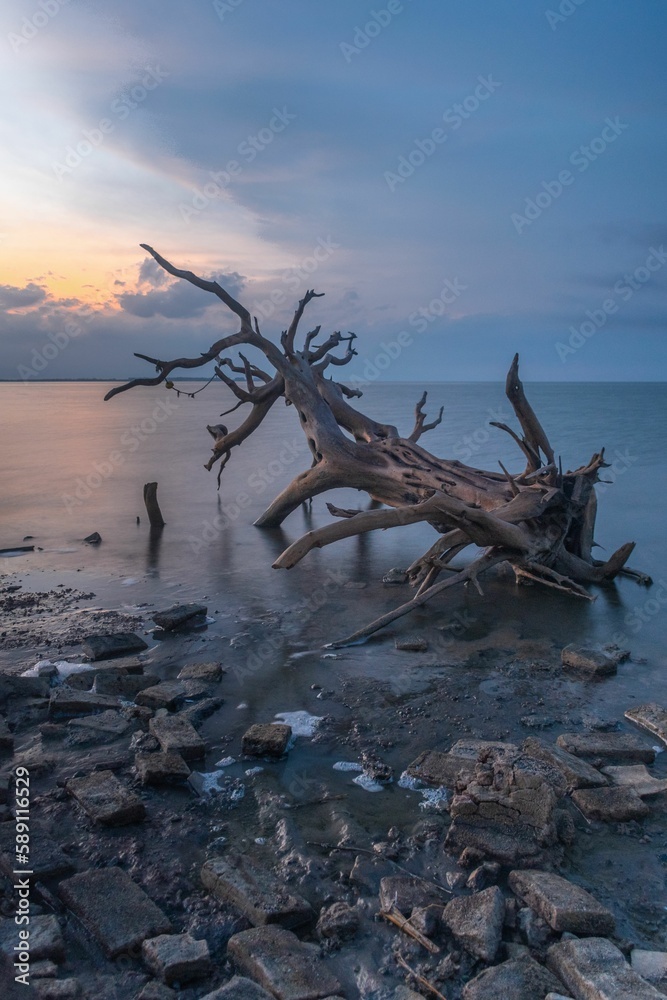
(179, 300)
(12, 297)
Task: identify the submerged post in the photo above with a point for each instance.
(152, 506)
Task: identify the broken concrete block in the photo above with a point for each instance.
(278, 961)
(170, 694)
(564, 906)
(433, 767)
(610, 805)
(114, 909)
(120, 682)
(577, 773)
(636, 776)
(651, 965)
(66, 703)
(177, 958)
(589, 661)
(652, 717)
(211, 672)
(102, 647)
(110, 722)
(477, 921)
(595, 969)
(518, 979)
(46, 858)
(239, 988)
(12, 686)
(609, 748)
(105, 799)
(46, 939)
(266, 740)
(174, 733)
(179, 615)
(161, 768)
(257, 893)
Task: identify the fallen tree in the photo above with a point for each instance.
(539, 521)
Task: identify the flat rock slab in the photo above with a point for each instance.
(110, 722)
(577, 773)
(170, 694)
(257, 893)
(66, 703)
(652, 717)
(161, 768)
(179, 615)
(114, 909)
(201, 672)
(406, 893)
(610, 805)
(589, 661)
(103, 647)
(176, 734)
(518, 979)
(505, 843)
(609, 748)
(239, 988)
(477, 922)
(12, 686)
(652, 965)
(434, 767)
(266, 740)
(105, 799)
(636, 776)
(279, 962)
(177, 958)
(564, 906)
(595, 969)
(121, 682)
(46, 939)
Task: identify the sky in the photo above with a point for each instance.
(463, 179)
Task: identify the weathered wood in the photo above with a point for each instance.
(152, 506)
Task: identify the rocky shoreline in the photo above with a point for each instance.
(437, 848)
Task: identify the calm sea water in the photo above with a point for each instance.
(73, 464)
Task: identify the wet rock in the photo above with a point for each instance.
(610, 748)
(176, 958)
(535, 931)
(518, 979)
(368, 872)
(266, 740)
(427, 919)
(394, 577)
(57, 989)
(196, 714)
(47, 860)
(577, 773)
(610, 805)
(81, 680)
(211, 672)
(406, 893)
(179, 615)
(6, 737)
(114, 909)
(483, 876)
(477, 922)
(161, 768)
(44, 969)
(105, 799)
(651, 965)
(564, 906)
(103, 647)
(110, 723)
(239, 988)
(338, 922)
(257, 893)
(120, 682)
(595, 969)
(590, 661)
(156, 991)
(93, 539)
(433, 767)
(412, 644)
(176, 734)
(652, 717)
(638, 777)
(278, 961)
(67, 703)
(23, 687)
(46, 939)
(170, 694)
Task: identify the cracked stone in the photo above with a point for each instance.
(257, 893)
(177, 958)
(105, 799)
(610, 748)
(564, 906)
(618, 804)
(279, 962)
(266, 740)
(594, 969)
(477, 922)
(176, 734)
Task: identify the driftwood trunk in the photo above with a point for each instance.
(540, 520)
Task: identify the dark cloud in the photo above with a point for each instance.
(151, 272)
(12, 297)
(179, 300)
